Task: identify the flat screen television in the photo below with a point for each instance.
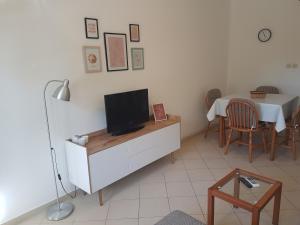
(126, 112)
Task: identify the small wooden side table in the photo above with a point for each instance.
(228, 189)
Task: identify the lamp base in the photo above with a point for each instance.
(55, 213)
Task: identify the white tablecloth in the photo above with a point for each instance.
(274, 108)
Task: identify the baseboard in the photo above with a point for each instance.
(202, 131)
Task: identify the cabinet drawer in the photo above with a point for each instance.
(153, 139)
(166, 141)
(108, 166)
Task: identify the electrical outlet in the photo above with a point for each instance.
(295, 65)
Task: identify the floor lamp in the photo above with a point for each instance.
(60, 210)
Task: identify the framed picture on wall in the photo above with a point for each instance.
(116, 51)
(91, 28)
(91, 58)
(134, 31)
(137, 58)
(159, 112)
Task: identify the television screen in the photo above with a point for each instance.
(127, 111)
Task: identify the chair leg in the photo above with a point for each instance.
(228, 142)
(294, 150)
(264, 141)
(250, 148)
(240, 137)
(207, 129)
(287, 136)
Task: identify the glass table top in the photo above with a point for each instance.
(250, 195)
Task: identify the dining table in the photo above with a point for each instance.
(273, 109)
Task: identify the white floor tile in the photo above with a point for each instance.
(122, 222)
(149, 221)
(122, 209)
(179, 189)
(201, 187)
(188, 205)
(194, 164)
(90, 223)
(226, 219)
(176, 176)
(216, 163)
(200, 175)
(154, 207)
(153, 190)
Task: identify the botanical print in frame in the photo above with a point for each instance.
(134, 30)
(137, 58)
(116, 51)
(91, 28)
(92, 60)
(159, 112)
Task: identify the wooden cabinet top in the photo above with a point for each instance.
(101, 140)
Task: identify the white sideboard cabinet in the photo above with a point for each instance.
(106, 159)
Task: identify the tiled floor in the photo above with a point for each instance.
(149, 194)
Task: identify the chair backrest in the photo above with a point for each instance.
(211, 96)
(296, 118)
(268, 89)
(242, 114)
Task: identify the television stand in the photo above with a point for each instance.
(106, 159)
(128, 130)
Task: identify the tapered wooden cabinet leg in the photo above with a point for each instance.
(172, 157)
(276, 209)
(100, 194)
(210, 208)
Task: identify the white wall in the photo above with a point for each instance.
(185, 54)
(252, 63)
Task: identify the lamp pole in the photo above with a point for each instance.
(60, 210)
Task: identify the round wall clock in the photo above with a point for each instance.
(264, 35)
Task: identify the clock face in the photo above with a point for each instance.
(264, 35)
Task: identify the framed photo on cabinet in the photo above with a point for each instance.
(92, 60)
(116, 51)
(159, 112)
(137, 58)
(134, 31)
(91, 28)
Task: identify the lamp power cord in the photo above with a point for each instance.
(60, 178)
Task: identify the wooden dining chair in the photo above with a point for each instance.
(292, 128)
(268, 89)
(243, 118)
(210, 98)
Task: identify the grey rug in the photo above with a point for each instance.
(178, 218)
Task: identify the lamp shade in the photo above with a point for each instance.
(62, 92)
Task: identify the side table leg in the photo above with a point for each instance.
(210, 208)
(222, 135)
(276, 208)
(236, 191)
(255, 217)
(100, 194)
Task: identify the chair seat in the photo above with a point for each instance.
(178, 218)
